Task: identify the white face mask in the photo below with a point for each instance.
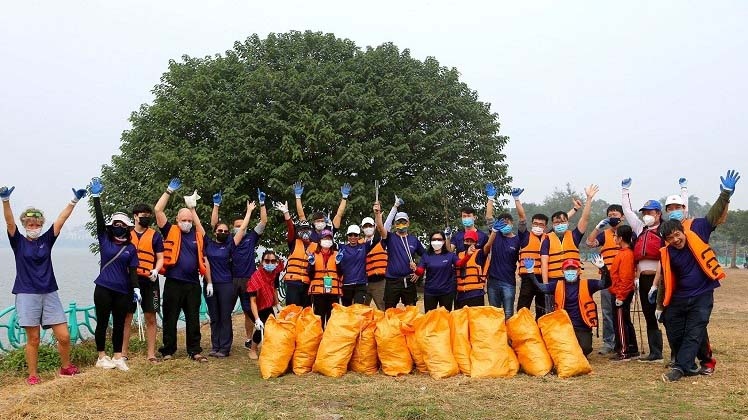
(326, 243)
(648, 220)
(33, 233)
(319, 225)
(537, 230)
(369, 231)
(185, 226)
(437, 245)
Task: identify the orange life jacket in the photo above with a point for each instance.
(702, 253)
(559, 251)
(609, 248)
(587, 306)
(298, 264)
(532, 250)
(469, 276)
(146, 255)
(172, 245)
(376, 261)
(317, 286)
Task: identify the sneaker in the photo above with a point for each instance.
(220, 354)
(650, 358)
(706, 371)
(248, 344)
(672, 376)
(33, 380)
(120, 364)
(212, 353)
(70, 370)
(605, 350)
(624, 357)
(167, 357)
(105, 363)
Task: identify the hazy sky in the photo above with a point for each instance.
(589, 92)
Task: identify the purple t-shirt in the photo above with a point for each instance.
(243, 255)
(458, 240)
(353, 265)
(115, 275)
(34, 273)
(219, 257)
(504, 257)
(690, 279)
(186, 268)
(398, 262)
(440, 273)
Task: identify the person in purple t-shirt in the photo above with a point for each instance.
(35, 286)
(440, 285)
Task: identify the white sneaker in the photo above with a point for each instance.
(120, 364)
(105, 363)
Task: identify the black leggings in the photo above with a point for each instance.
(430, 302)
(322, 305)
(264, 315)
(108, 302)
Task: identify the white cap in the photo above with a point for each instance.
(354, 229)
(674, 199)
(367, 221)
(401, 215)
(120, 217)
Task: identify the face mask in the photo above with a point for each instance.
(614, 221)
(401, 228)
(319, 225)
(468, 221)
(119, 232)
(269, 267)
(145, 221)
(537, 230)
(570, 275)
(185, 226)
(437, 245)
(33, 233)
(648, 220)
(561, 228)
(506, 230)
(326, 243)
(675, 215)
(221, 237)
(369, 231)
(305, 235)
(234, 231)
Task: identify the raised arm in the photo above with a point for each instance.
(217, 200)
(191, 202)
(243, 228)
(590, 191)
(378, 219)
(160, 206)
(683, 183)
(718, 212)
(10, 224)
(298, 189)
(628, 210)
(516, 192)
(96, 189)
(393, 212)
(345, 192)
(576, 204)
(68, 210)
(490, 202)
(492, 237)
(260, 228)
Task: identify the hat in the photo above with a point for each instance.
(471, 234)
(326, 232)
(674, 199)
(651, 205)
(401, 215)
(570, 263)
(353, 229)
(120, 217)
(367, 221)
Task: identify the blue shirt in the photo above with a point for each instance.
(219, 257)
(116, 275)
(440, 273)
(458, 240)
(34, 273)
(243, 255)
(398, 260)
(504, 257)
(186, 268)
(353, 265)
(690, 280)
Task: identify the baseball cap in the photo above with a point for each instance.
(651, 205)
(367, 221)
(326, 232)
(570, 263)
(674, 199)
(401, 215)
(120, 217)
(471, 234)
(354, 229)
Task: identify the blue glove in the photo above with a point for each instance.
(498, 225)
(652, 295)
(683, 182)
(345, 190)
(729, 181)
(96, 187)
(516, 192)
(529, 263)
(603, 224)
(490, 191)
(298, 189)
(448, 232)
(261, 197)
(310, 258)
(626, 183)
(217, 198)
(174, 185)
(5, 193)
(79, 194)
(339, 257)
(398, 201)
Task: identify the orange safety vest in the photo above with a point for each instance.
(532, 250)
(298, 264)
(559, 251)
(146, 255)
(469, 276)
(317, 286)
(609, 248)
(172, 245)
(587, 306)
(702, 253)
(376, 261)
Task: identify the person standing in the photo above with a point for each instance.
(376, 263)
(325, 287)
(262, 296)
(622, 290)
(353, 267)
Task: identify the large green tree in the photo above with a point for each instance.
(312, 107)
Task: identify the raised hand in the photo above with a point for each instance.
(191, 200)
(261, 197)
(78, 194)
(96, 187)
(217, 198)
(251, 206)
(591, 191)
(626, 183)
(729, 181)
(597, 261)
(683, 182)
(298, 189)
(491, 191)
(516, 192)
(5, 193)
(174, 185)
(345, 190)
(529, 264)
(576, 203)
(282, 207)
(603, 224)
(398, 201)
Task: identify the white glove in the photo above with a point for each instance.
(282, 207)
(603, 224)
(209, 289)
(136, 295)
(658, 314)
(276, 309)
(398, 201)
(619, 302)
(259, 326)
(191, 200)
(154, 275)
(636, 283)
(598, 261)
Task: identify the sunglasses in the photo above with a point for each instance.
(269, 261)
(437, 239)
(33, 214)
(352, 234)
(222, 231)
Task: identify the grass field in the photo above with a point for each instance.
(232, 388)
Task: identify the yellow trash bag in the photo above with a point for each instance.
(392, 348)
(308, 337)
(433, 336)
(562, 344)
(490, 355)
(338, 341)
(290, 312)
(408, 316)
(364, 359)
(461, 339)
(527, 342)
(277, 347)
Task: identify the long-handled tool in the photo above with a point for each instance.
(141, 332)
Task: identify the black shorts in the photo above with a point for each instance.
(240, 288)
(151, 294)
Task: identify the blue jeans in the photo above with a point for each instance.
(609, 332)
(685, 324)
(501, 295)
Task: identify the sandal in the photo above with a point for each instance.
(200, 358)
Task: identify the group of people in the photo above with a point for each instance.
(662, 259)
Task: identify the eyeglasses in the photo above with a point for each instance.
(269, 261)
(222, 231)
(33, 214)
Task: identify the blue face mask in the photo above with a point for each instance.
(570, 275)
(506, 230)
(468, 222)
(561, 228)
(269, 267)
(675, 215)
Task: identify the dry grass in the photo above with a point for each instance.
(232, 388)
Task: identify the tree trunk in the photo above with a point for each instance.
(734, 255)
